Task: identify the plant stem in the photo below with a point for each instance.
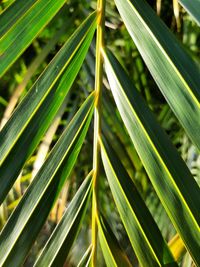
(97, 123)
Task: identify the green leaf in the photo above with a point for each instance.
(172, 180)
(113, 254)
(117, 146)
(85, 260)
(145, 237)
(19, 234)
(14, 13)
(193, 8)
(177, 76)
(59, 244)
(24, 130)
(18, 33)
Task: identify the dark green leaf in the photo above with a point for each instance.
(113, 254)
(177, 76)
(24, 130)
(193, 7)
(172, 180)
(20, 24)
(144, 234)
(59, 244)
(28, 218)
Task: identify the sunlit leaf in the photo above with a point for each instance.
(172, 180)
(113, 254)
(177, 76)
(20, 24)
(144, 234)
(177, 247)
(85, 260)
(19, 234)
(58, 246)
(33, 116)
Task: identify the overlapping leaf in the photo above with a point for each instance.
(86, 258)
(169, 175)
(58, 246)
(33, 116)
(176, 74)
(20, 24)
(113, 254)
(13, 13)
(193, 8)
(26, 221)
(144, 234)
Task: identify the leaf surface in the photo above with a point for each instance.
(193, 8)
(33, 116)
(172, 180)
(175, 73)
(113, 254)
(19, 234)
(86, 258)
(59, 244)
(143, 232)
(19, 31)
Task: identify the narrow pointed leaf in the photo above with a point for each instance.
(113, 254)
(59, 244)
(85, 260)
(172, 180)
(33, 116)
(18, 31)
(117, 145)
(28, 218)
(13, 13)
(193, 8)
(177, 76)
(144, 235)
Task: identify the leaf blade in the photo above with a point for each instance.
(113, 254)
(168, 173)
(173, 70)
(193, 8)
(145, 236)
(17, 38)
(20, 135)
(58, 246)
(18, 234)
(11, 15)
(86, 258)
